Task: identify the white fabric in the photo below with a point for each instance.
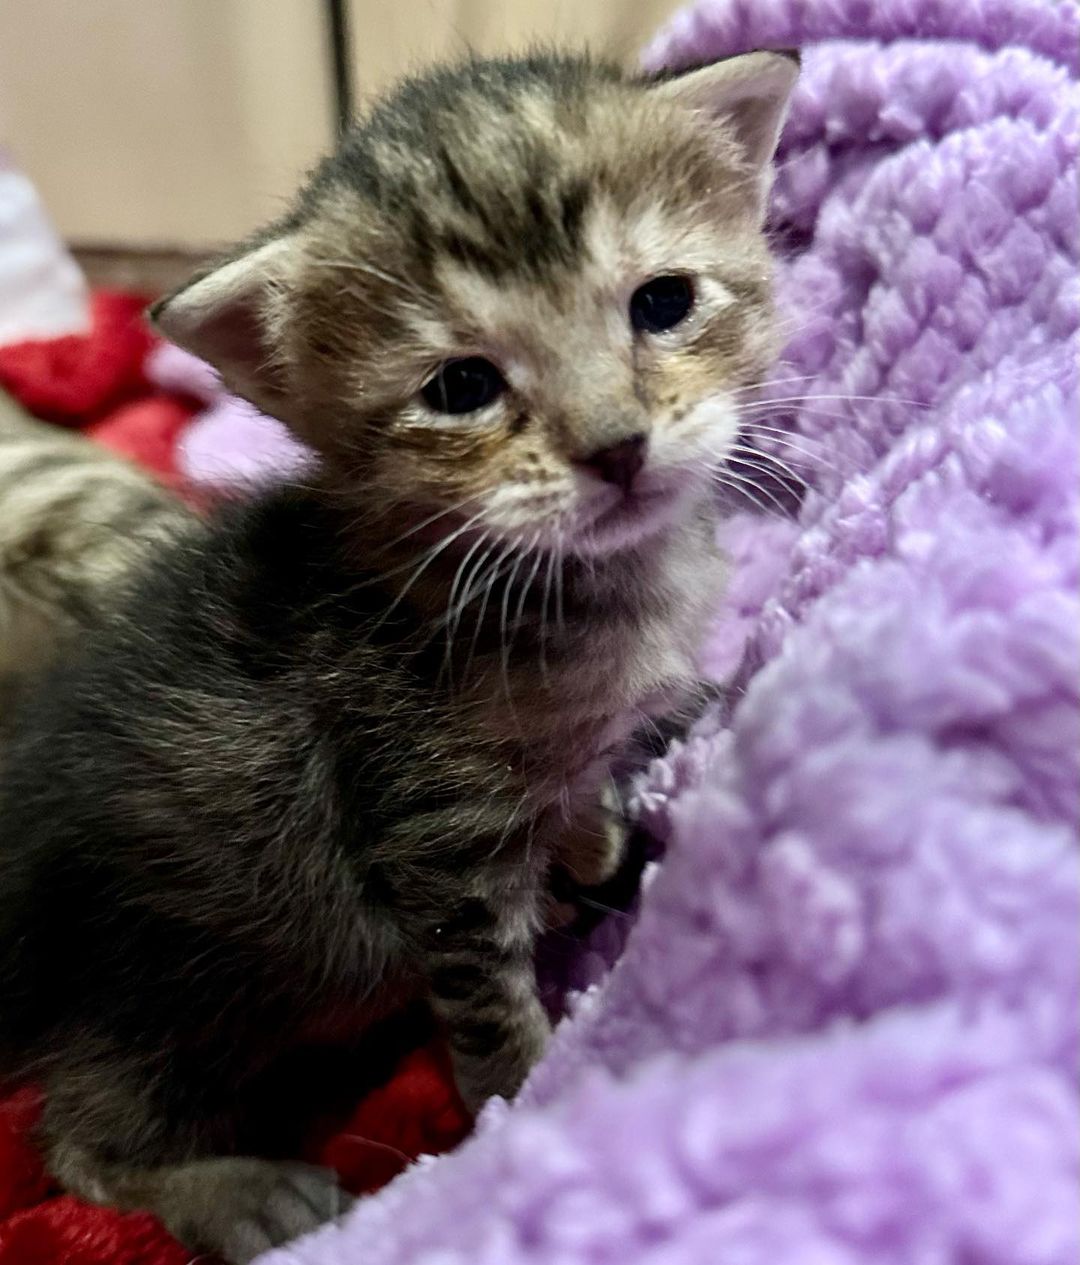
(42, 292)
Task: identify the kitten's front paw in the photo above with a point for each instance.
(239, 1208)
(593, 848)
(482, 1073)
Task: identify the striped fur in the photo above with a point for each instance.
(73, 520)
(332, 744)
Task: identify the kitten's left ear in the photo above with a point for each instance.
(747, 96)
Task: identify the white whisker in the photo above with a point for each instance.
(489, 581)
(429, 559)
(806, 401)
(745, 456)
(746, 488)
(774, 434)
(433, 518)
(560, 623)
(455, 608)
(525, 589)
(548, 580)
(504, 611)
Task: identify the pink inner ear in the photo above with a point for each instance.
(749, 92)
(232, 335)
(221, 319)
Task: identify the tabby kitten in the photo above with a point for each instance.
(73, 520)
(326, 753)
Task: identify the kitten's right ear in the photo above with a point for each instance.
(226, 317)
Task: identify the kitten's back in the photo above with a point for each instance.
(73, 519)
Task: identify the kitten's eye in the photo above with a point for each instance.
(463, 386)
(661, 304)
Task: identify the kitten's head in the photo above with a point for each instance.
(524, 289)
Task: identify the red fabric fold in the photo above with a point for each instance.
(78, 378)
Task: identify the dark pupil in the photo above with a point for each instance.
(661, 303)
(463, 386)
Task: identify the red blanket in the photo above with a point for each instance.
(96, 382)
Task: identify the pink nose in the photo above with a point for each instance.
(619, 463)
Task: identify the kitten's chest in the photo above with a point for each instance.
(621, 674)
(632, 681)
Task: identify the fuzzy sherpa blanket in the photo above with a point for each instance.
(844, 1026)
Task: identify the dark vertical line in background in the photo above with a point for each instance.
(337, 30)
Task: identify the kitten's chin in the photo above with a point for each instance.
(636, 518)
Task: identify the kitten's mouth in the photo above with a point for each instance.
(634, 515)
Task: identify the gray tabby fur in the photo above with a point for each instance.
(74, 519)
(331, 746)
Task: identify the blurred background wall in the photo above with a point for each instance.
(170, 126)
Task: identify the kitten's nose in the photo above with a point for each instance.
(618, 463)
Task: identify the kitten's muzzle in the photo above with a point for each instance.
(619, 463)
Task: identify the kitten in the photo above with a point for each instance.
(326, 753)
(73, 520)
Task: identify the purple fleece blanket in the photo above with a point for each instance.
(844, 1026)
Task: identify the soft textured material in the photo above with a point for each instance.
(42, 292)
(100, 381)
(230, 446)
(843, 1028)
(415, 1112)
(79, 377)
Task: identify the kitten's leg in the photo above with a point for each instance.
(479, 963)
(592, 846)
(104, 1140)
